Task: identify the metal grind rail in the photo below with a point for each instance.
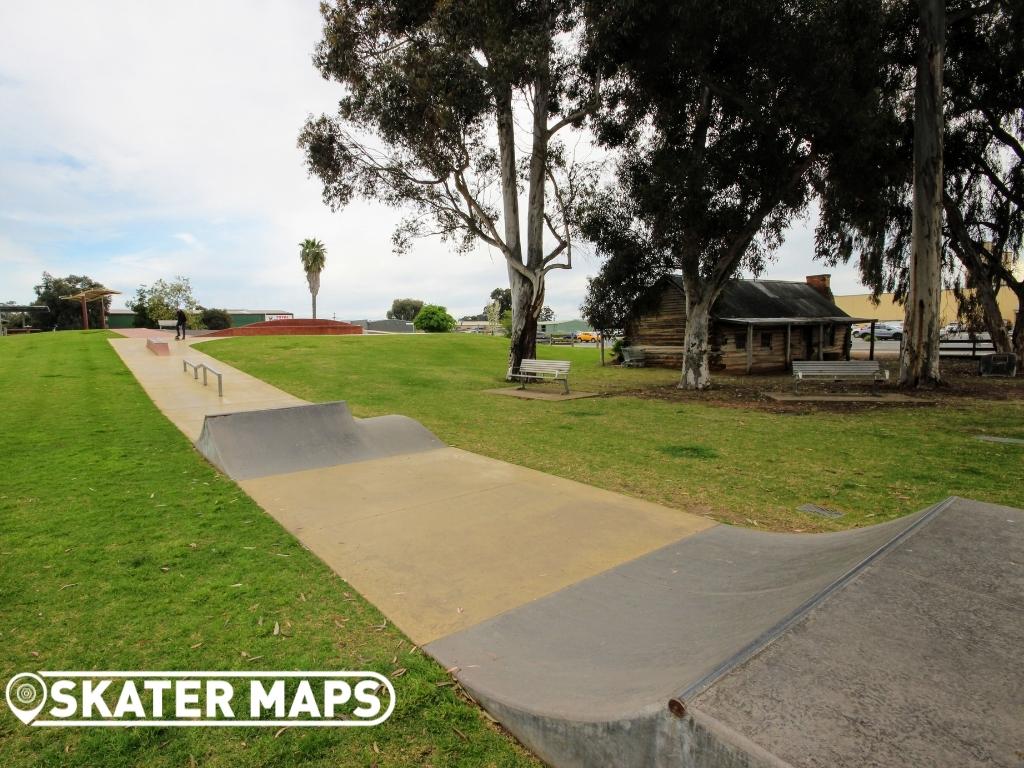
(196, 367)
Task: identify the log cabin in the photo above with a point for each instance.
(757, 326)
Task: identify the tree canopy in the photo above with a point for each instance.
(64, 314)
(404, 309)
(725, 117)
(429, 89)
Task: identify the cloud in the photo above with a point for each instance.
(145, 140)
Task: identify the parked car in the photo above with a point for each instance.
(887, 331)
(543, 337)
(588, 336)
(861, 329)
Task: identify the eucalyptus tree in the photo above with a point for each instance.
(313, 255)
(983, 195)
(451, 110)
(921, 204)
(726, 116)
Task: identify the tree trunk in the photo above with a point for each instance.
(696, 373)
(993, 316)
(919, 359)
(313, 278)
(525, 311)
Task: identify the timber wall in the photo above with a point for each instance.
(661, 334)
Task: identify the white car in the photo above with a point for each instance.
(886, 332)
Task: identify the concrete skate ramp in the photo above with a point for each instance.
(252, 444)
(676, 623)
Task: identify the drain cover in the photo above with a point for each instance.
(814, 509)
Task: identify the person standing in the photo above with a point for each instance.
(180, 320)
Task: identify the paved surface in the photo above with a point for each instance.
(603, 630)
(187, 402)
(916, 662)
(886, 397)
(279, 440)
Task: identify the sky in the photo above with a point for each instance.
(145, 140)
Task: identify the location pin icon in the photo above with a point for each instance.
(26, 696)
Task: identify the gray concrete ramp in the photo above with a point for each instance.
(251, 444)
(705, 615)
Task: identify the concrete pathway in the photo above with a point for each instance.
(603, 630)
(187, 402)
(440, 540)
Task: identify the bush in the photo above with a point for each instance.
(215, 319)
(434, 319)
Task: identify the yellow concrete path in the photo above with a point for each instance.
(443, 539)
(439, 540)
(187, 402)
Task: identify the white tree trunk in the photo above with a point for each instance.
(919, 359)
(696, 373)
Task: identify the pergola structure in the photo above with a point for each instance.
(23, 309)
(92, 294)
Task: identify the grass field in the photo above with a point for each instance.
(120, 548)
(743, 465)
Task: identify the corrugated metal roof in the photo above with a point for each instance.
(770, 299)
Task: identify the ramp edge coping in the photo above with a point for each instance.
(769, 636)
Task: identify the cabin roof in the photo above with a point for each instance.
(783, 300)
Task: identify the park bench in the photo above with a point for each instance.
(839, 370)
(541, 370)
(633, 357)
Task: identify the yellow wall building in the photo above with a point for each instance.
(861, 305)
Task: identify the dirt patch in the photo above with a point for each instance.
(961, 385)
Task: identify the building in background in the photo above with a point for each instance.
(862, 305)
(125, 318)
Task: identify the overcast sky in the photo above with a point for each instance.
(142, 140)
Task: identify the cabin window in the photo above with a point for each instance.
(741, 341)
(766, 341)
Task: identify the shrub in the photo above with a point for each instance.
(215, 319)
(434, 319)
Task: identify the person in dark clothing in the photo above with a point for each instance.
(181, 320)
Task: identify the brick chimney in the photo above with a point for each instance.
(820, 283)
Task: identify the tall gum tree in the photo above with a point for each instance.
(453, 111)
(725, 117)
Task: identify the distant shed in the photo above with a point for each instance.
(757, 326)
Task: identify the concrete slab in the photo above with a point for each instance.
(279, 440)
(917, 661)
(537, 394)
(187, 402)
(1003, 440)
(896, 645)
(887, 397)
(444, 539)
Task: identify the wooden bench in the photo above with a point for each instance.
(633, 357)
(839, 370)
(158, 347)
(541, 370)
(167, 325)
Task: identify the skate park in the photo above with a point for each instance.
(602, 630)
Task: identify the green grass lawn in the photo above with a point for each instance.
(739, 464)
(121, 548)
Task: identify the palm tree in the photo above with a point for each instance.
(314, 257)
